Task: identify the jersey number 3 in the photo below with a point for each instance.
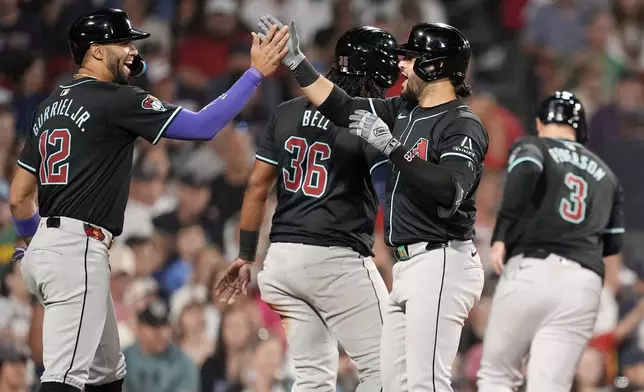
(573, 208)
(52, 169)
(312, 179)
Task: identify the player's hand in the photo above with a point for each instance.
(267, 54)
(234, 282)
(294, 56)
(497, 255)
(18, 254)
(372, 129)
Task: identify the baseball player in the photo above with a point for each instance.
(436, 146)
(319, 274)
(77, 160)
(561, 212)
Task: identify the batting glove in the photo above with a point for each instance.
(372, 129)
(294, 56)
(18, 254)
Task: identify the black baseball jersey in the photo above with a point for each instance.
(449, 135)
(325, 195)
(572, 201)
(80, 146)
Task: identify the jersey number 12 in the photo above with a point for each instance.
(573, 208)
(52, 169)
(312, 179)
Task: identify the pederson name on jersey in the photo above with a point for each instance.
(564, 155)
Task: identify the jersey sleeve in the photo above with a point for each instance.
(267, 151)
(140, 113)
(339, 106)
(525, 165)
(525, 151)
(461, 151)
(29, 158)
(614, 231)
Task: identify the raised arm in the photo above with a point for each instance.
(331, 100)
(138, 112)
(204, 125)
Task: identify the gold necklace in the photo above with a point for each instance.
(83, 75)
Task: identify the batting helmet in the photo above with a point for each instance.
(441, 51)
(563, 107)
(105, 26)
(368, 51)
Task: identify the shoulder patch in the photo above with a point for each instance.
(151, 102)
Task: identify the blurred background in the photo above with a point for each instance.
(181, 221)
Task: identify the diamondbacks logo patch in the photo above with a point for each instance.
(421, 148)
(153, 103)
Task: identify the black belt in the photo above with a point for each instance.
(402, 251)
(537, 253)
(90, 231)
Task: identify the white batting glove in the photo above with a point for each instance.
(372, 129)
(294, 56)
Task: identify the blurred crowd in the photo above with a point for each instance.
(181, 221)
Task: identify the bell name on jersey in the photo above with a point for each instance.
(313, 118)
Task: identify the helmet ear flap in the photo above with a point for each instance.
(139, 66)
(420, 68)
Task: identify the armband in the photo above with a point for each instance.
(248, 244)
(27, 227)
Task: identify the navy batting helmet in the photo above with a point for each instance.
(441, 51)
(368, 51)
(105, 26)
(562, 107)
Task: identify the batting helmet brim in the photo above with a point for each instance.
(133, 35)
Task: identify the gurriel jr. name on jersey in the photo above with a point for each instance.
(62, 107)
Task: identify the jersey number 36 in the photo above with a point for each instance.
(311, 179)
(573, 208)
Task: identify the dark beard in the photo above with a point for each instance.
(119, 76)
(413, 90)
(409, 96)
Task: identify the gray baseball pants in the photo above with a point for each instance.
(325, 295)
(432, 294)
(544, 308)
(68, 271)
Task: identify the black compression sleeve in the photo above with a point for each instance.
(305, 74)
(430, 179)
(248, 244)
(612, 244)
(519, 188)
(338, 107)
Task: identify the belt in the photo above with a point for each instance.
(403, 253)
(90, 230)
(543, 254)
(536, 253)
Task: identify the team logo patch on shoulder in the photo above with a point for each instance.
(153, 103)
